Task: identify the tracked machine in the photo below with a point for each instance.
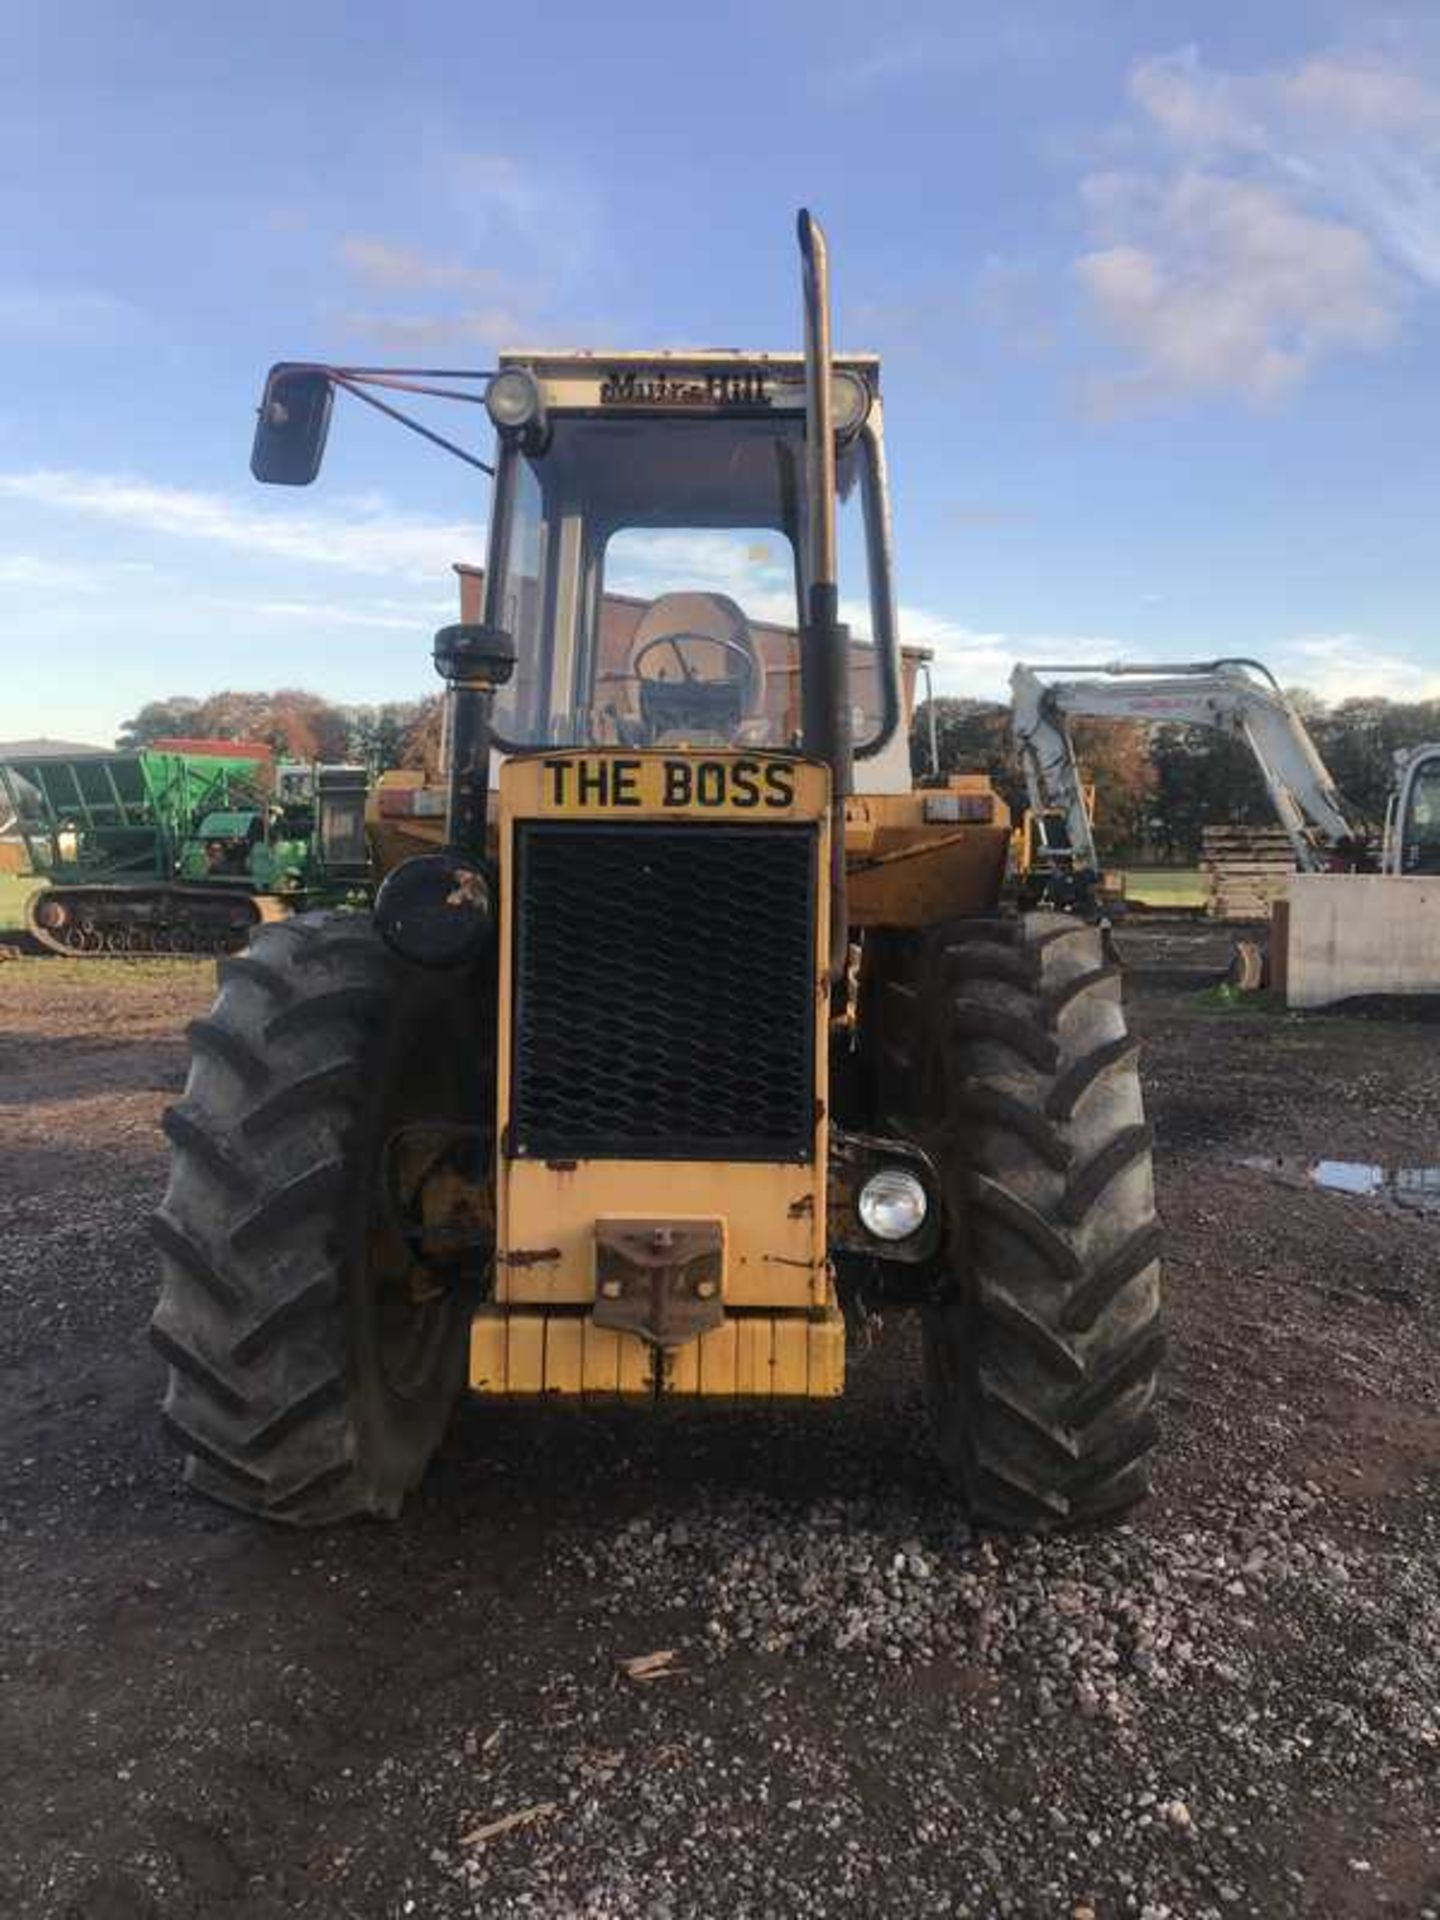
(184, 847)
(702, 1035)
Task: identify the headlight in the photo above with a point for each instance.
(849, 402)
(892, 1204)
(512, 400)
(436, 909)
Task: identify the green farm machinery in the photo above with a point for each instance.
(184, 847)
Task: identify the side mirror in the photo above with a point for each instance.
(294, 421)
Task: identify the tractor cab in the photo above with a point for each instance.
(649, 549)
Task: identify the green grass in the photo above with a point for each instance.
(1223, 997)
(119, 969)
(1165, 886)
(15, 890)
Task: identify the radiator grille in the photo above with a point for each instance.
(664, 992)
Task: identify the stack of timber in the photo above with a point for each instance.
(1245, 868)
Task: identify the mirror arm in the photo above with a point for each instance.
(381, 406)
(412, 373)
(400, 382)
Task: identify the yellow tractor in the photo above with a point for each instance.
(694, 1032)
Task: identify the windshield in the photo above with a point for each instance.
(651, 572)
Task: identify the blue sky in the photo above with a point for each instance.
(1155, 285)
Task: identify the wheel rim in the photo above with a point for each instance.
(414, 1306)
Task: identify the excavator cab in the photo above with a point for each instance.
(1412, 830)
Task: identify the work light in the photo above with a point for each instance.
(892, 1204)
(849, 402)
(513, 401)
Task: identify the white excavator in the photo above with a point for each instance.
(1238, 697)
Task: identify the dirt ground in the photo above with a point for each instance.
(1229, 1706)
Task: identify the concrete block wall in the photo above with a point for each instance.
(1343, 934)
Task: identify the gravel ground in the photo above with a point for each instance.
(1230, 1706)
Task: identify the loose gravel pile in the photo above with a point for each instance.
(1178, 1690)
(1103, 1624)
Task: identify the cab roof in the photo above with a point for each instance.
(591, 357)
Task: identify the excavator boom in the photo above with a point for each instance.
(1232, 696)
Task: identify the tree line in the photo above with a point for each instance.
(1158, 786)
(299, 725)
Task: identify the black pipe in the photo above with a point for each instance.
(474, 660)
(825, 688)
(828, 734)
(468, 792)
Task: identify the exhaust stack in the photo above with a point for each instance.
(824, 641)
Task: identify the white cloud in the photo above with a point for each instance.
(418, 301)
(1345, 666)
(1333, 666)
(1226, 285)
(384, 616)
(1195, 107)
(1275, 219)
(375, 542)
(1330, 97)
(976, 663)
(493, 327)
(48, 576)
(394, 268)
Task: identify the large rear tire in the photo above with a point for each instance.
(1005, 1052)
(313, 1362)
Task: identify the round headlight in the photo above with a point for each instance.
(892, 1204)
(512, 399)
(436, 909)
(849, 402)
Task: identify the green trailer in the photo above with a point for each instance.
(182, 847)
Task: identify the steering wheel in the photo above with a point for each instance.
(675, 641)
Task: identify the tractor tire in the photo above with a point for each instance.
(313, 1366)
(1006, 1054)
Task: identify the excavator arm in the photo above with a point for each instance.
(1232, 696)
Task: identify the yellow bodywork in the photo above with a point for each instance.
(751, 1356)
(782, 1332)
(911, 859)
(906, 864)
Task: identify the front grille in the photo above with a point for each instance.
(664, 1003)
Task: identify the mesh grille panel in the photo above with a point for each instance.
(664, 992)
